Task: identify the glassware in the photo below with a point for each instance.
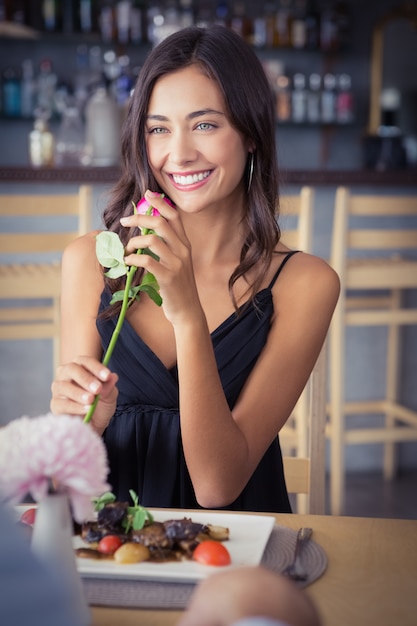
(70, 139)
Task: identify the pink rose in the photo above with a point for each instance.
(143, 206)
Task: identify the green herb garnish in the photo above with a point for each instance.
(137, 515)
(101, 501)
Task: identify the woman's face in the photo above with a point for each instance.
(195, 154)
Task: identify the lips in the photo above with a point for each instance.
(190, 179)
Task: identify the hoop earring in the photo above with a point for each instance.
(251, 165)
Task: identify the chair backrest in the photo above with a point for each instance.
(26, 209)
(296, 219)
(296, 222)
(38, 228)
(357, 226)
(305, 475)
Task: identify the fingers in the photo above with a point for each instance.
(77, 383)
(158, 223)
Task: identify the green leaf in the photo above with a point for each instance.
(139, 519)
(117, 296)
(110, 251)
(149, 279)
(150, 253)
(101, 501)
(152, 293)
(116, 272)
(137, 515)
(134, 496)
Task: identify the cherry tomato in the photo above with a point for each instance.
(212, 553)
(109, 544)
(28, 517)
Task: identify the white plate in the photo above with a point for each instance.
(249, 535)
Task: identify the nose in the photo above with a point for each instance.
(182, 148)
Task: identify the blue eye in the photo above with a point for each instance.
(157, 130)
(205, 126)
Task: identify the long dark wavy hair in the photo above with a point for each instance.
(225, 57)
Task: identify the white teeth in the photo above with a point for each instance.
(190, 179)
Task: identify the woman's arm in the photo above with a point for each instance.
(81, 375)
(222, 449)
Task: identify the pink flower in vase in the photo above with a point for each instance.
(53, 453)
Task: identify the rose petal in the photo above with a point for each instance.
(143, 206)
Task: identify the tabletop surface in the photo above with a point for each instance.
(371, 576)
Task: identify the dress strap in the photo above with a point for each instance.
(277, 273)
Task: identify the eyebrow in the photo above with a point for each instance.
(190, 116)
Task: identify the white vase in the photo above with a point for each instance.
(52, 543)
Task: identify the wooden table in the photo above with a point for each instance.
(371, 579)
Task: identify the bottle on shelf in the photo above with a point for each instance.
(123, 84)
(102, 148)
(298, 25)
(344, 100)
(299, 99)
(107, 21)
(11, 92)
(70, 138)
(27, 89)
(46, 82)
(122, 15)
(283, 21)
(41, 142)
(51, 15)
(312, 22)
(271, 40)
(329, 32)
(86, 16)
(260, 30)
(313, 98)
(283, 98)
(328, 99)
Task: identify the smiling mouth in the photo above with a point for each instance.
(190, 179)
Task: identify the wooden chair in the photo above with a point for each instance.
(374, 272)
(30, 290)
(296, 222)
(305, 475)
(296, 219)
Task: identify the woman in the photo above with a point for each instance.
(198, 389)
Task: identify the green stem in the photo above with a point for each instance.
(125, 305)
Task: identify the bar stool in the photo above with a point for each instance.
(375, 265)
(296, 223)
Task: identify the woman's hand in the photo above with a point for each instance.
(174, 270)
(75, 386)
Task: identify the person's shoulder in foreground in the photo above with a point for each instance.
(29, 593)
(249, 596)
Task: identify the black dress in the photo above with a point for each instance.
(143, 439)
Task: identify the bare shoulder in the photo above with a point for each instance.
(81, 253)
(309, 278)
